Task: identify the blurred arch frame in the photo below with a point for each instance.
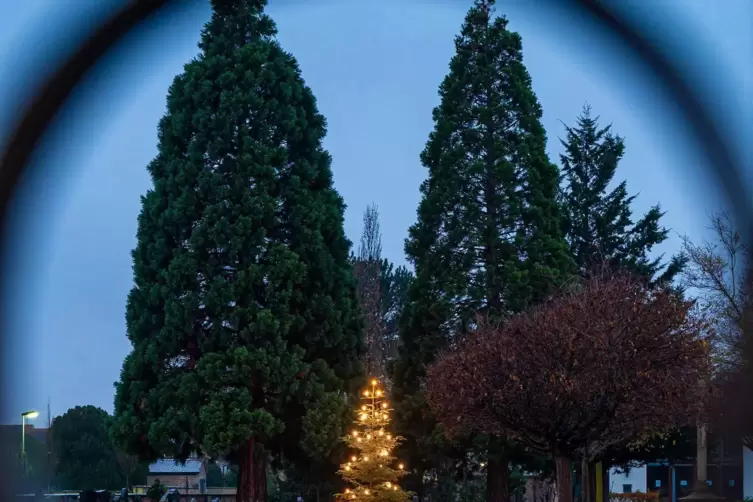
(28, 131)
(54, 95)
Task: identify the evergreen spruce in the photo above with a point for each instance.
(488, 237)
(243, 315)
(598, 221)
(372, 472)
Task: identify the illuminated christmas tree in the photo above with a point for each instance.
(371, 471)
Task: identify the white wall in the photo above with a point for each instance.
(747, 472)
(636, 477)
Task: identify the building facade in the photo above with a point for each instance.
(191, 475)
(730, 473)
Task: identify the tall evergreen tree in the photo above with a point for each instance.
(598, 220)
(488, 237)
(243, 315)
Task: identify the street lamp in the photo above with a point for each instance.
(30, 415)
(701, 491)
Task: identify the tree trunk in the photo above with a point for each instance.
(260, 479)
(564, 479)
(585, 476)
(605, 468)
(497, 479)
(246, 491)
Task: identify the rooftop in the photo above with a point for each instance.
(31, 431)
(171, 466)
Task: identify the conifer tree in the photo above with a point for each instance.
(598, 220)
(371, 471)
(488, 238)
(243, 316)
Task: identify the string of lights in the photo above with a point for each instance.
(372, 471)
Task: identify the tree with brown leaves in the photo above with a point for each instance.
(594, 367)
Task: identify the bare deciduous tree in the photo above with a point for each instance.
(718, 272)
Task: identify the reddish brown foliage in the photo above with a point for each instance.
(592, 368)
(634, 497)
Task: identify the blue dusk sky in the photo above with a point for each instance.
(374, 68)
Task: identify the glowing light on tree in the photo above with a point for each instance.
(369, 471)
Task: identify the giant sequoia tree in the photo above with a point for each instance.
(243, 316)
(598, 220)
(487, 237)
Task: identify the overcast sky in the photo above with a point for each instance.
(374, 69)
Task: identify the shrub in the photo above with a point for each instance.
(634, 497)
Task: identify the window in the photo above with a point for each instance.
(627, 488)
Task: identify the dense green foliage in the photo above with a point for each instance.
(242, 316)
(394, 285)
(85, 457)
(598, 220)
(488, 237)
(156, 490)
(215, 476)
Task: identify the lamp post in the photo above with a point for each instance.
(30, 415)
(701, 491)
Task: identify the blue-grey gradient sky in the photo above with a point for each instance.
(375, 68)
